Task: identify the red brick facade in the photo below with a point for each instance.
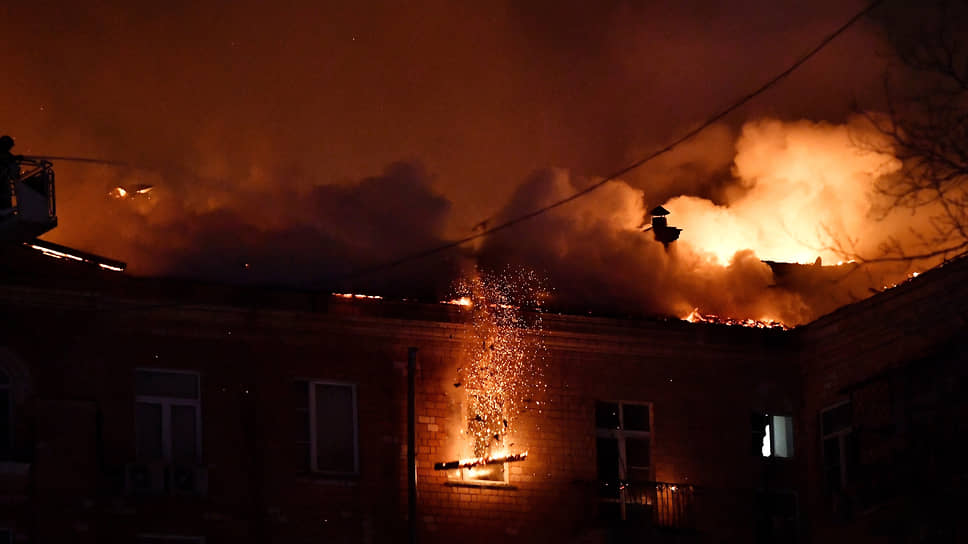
(71, 355)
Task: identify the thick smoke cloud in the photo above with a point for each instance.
(266, 134)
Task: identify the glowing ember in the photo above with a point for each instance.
(121, 193)
(462, 301)
(505, 359)
(910, 277)
(696, 317)
(357, 296)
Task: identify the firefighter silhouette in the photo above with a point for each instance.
(9, 171)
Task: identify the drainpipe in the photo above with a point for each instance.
(412, 444)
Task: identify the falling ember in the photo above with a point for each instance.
(505, 357)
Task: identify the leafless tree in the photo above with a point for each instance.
(926, 127)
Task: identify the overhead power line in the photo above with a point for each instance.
(626, 169)
(76, 159)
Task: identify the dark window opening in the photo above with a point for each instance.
(624, 459)
(326, 417)
(167, 416)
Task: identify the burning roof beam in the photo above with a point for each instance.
(58, 251)
(478, 461)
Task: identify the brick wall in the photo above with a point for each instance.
(860, 344)
(702, 382)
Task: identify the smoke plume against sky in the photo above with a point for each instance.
(292, 141)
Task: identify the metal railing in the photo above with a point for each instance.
(657, 504)
(43, 172)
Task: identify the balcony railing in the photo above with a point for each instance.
(658, 504)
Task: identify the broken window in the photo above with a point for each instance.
(624, 454)
(167, 416)
(772, 435)
(328, 432)
(487, 427)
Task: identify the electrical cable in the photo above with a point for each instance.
(76, 159)
(626, 169)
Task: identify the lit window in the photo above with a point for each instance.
(486, 426)
(168, 416)
(327, 419)
(772, 435)
(624, 451)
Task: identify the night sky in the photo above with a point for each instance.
(309, 138)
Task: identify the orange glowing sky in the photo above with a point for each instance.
(291, 143)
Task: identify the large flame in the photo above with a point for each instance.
(803, 188)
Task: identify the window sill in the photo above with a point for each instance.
(14, 468)
(325, 478)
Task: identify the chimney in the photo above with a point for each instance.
(660, 227)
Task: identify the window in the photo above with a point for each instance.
(624, 451)
(772, 435)
(838, 444)
(6, 419)
(168, 416)
(327, 418)
(487, 426)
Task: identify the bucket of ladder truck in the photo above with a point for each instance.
(31, 210)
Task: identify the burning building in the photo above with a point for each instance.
(143, 410)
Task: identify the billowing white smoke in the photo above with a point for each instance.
(802, 189)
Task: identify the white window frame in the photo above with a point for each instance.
(772, 435)
(841, 436)
(620, 435)
(166, 405)
(314, 440)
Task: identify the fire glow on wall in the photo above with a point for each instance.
(504, 371)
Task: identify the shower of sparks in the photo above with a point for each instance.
(504, 374)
